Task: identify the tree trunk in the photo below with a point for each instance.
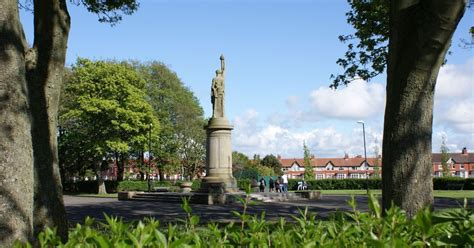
(420, 34)
(16, 157)
(142, 163)
(45, 68)
(120, 167)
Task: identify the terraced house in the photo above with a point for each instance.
(459, 164)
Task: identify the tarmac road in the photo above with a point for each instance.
(78, 208)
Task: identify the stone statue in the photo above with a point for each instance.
(217, 91)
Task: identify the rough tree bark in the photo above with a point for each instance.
(16, 159)
(30, 80)
(45, 68)
(420, 34)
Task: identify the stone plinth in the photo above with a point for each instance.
(219, 158)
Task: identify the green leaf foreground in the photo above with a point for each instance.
(446, 228)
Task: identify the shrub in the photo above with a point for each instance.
(447, 228)
(453, 183)
(133, 185)
(439, 183)
(243, 183)
(328, 184)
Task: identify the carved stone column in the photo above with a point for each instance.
(219, 158)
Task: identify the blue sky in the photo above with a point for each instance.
(279, 56)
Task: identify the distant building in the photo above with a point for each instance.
(339, 168)
(459, 164)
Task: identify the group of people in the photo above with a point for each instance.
(280, 184)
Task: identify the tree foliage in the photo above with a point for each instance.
(367, 48)
(181, 143)
(444, 157)
(106, 112)
(308, 169)
(272, 162)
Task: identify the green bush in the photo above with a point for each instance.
(243, 183)
(447, 228)
(439, 183)
(196, 185)
(135, 185)
(453, 183)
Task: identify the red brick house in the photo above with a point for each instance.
(460, 165)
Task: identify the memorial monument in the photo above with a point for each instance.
(218, 179)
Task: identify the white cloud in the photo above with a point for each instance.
(359, 100)
(454, 99)
(460, 116)
(456, 80)
(254, 138)
(292, 102)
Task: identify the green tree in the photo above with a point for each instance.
(239, 161)
(376, 160)
(308, 169)
(107, 112)
(272, 162)
(445, 157)
(182, 141)
(31, 79)
(419, 33)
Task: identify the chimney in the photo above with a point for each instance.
(346, 156)
(279, 157)
(464, 151)
(312, 156)
(359, 156)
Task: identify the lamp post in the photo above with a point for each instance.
(149, 158)
(365, 157)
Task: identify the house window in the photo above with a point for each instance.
(341, 176)
(454, 166)
(462, 166)
(341, 168)
(319, 176)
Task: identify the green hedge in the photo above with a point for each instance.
(135, 185)
(453, 183)
(439, 183)
(373, 183)
(443, 183)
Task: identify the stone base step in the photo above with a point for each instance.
(276, 197)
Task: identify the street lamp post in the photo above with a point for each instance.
(365, 157)
(149, 158)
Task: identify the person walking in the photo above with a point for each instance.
(278, 185)
(271, 185)
(285, 182)
(262, 184)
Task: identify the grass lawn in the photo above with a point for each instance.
(437, 193)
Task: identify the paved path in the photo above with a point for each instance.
(80, 207)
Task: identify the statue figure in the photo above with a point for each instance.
(217, 91)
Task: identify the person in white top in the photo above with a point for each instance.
(285, 182)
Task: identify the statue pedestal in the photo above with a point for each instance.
(219, 177)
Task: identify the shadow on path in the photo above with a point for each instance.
(79, 207)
